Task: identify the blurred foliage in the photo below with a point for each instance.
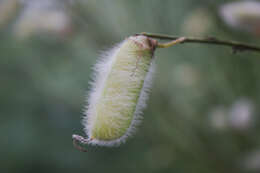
(193, 119)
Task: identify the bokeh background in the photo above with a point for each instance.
(202, 114)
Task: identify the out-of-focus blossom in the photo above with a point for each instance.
(197, 23)
(238, 116)
(8, 9)
(244, 15)
(42, 17)
(241, 114)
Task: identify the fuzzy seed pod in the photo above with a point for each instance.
(119, 91)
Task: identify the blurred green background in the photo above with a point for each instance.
(202, 115)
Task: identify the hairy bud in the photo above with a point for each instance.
(119, 91)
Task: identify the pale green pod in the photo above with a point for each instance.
(119, 91)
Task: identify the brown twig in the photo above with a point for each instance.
(236, 46)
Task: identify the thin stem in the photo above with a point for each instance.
(171, 43)
(236, 46)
